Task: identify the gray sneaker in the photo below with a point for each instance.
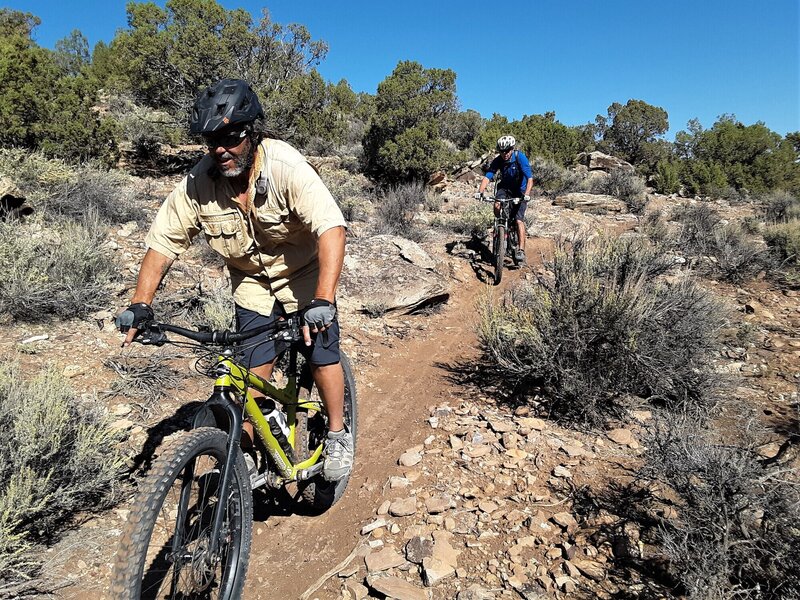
(252, 470)
(520, 257)
(338, 455)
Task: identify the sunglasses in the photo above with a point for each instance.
(225, 140)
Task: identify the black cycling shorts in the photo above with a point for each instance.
(324, 349)
(516, 212)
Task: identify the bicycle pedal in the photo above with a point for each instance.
(310, 471)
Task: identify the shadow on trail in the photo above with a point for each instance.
(633, 528)
(180, 420)
(482, 379)
(267, 502)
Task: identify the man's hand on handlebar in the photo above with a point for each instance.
(480, 195)
(317, 318)
(132, 319)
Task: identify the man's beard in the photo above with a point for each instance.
(241, 164)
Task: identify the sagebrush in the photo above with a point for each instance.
(719, 249)
(625, 185)
(397, 209)
(57, 456)
(59, 191)
(736, 527)
(61, 270)
(603, 326)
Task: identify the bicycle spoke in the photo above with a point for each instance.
(178, 564)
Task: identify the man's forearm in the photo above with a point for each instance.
(154, 266)
(331, 258)
(484, 185)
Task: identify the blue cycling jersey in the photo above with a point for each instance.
(514, 172)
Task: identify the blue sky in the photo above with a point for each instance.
(699, 58)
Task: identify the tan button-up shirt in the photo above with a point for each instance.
(269, 245)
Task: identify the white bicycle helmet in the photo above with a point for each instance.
(506, 143)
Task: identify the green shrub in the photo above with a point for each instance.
(784, 238)
(555, 179)
(57, 457)
(474, 220)
(667, 178)
(398, 208)
(145, 128)
(57, 271)
(350, 191)
(780, 207)
(404, 141)
(625, 185)
(602, 328)
(33, 171)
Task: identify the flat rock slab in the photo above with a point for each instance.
(390, 273)
(396, 588)
(383, 560)
(403, 507)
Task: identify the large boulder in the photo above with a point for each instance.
(604, 162)
(387, 273)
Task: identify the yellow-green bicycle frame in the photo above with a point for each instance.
(234, 377)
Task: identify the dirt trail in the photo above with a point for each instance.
(396, 392)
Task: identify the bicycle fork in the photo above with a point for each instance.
(220, 405)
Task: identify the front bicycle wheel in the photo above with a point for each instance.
(316, 494)
(499, 252)
(165, 549)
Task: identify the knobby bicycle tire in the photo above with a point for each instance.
(145, 560)
(316, 494)
(499, 253)
(513, 243)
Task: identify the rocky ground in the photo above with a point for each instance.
(456, 494)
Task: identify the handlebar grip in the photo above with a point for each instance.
(152, 338)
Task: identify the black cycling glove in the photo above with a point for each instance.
(319, 314)
(134, 316)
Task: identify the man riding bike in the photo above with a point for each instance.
(516, 181)
(266, 211)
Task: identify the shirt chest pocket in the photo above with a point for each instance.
(225, 234)
(275, 225)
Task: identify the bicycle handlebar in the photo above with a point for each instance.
(495, 199)
(154, 333)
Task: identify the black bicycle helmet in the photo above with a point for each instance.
(227, 102)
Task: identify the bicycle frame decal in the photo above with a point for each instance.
(239, 379)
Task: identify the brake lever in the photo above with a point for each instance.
(152, 338)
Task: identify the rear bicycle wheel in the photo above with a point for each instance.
(499, 252)
(316, 494)
(513, 243)
(164, 550)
